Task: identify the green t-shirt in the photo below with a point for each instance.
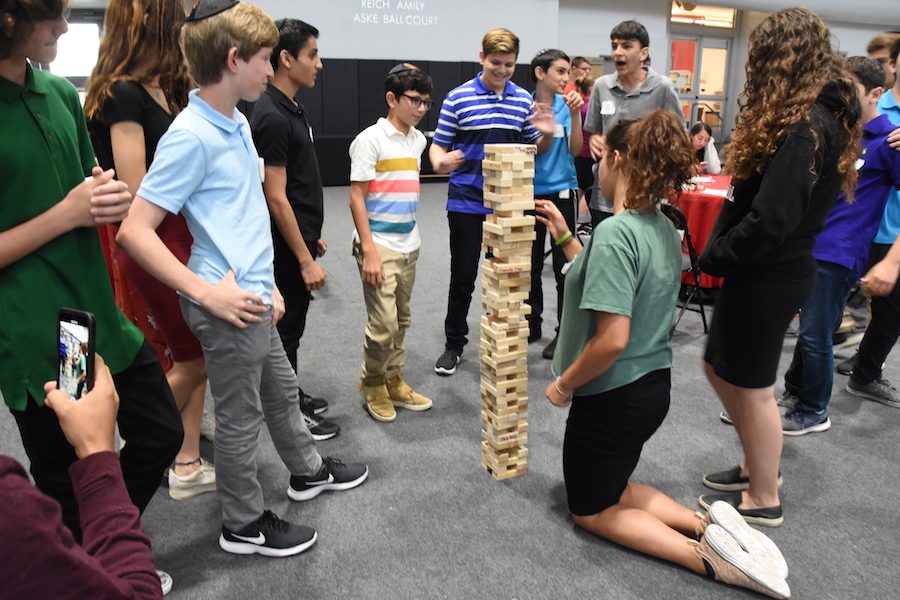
(631, 266)
(44, 152)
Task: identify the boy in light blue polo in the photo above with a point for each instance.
(206, 167)
(554, 177)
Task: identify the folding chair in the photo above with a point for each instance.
(689, 263)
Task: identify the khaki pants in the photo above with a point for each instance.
(389, 314)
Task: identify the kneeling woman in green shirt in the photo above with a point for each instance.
(613, 363)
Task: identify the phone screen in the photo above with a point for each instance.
(76, 353)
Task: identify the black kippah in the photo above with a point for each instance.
(203, 9)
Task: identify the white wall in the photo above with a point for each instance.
(584, 26)
(853, 38)
(448, 30)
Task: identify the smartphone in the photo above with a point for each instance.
(76, 349)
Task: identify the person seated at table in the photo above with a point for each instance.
(114, 560)
(707, 158)
(613, 362)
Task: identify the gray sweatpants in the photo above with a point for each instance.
(250, 376)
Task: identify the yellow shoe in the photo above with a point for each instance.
(378, 402)
(402, 395)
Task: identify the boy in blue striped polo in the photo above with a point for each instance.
(488, 109)
(385, 160)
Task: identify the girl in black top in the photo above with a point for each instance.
(139, 84)
(792, 152)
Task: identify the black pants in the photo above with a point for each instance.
(569, 209)
(882, 333)
(599, 215)
(296, 296)
(149, 422)
(465, 253)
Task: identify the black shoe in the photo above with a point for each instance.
(551, 348)
(320, 428)
(730, 480)
(446, 363)
(312, 404)
(334, 475)
(767, 517)
(269, 536)
(845, 367)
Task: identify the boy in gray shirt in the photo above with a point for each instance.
(629, 93)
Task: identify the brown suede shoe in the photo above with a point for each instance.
(403, 396)
(378, 402)
(731, 564)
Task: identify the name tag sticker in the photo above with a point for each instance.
(607, 107)
(730, 195)
(559, 131)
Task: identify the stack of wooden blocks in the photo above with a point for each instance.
(506, 280)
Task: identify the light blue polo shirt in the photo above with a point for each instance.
(554, 170)
(206, 167)
(890, 221)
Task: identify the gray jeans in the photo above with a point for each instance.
(250, 376)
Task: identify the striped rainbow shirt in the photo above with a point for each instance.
(390, 162)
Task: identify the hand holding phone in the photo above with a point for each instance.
(76, 350)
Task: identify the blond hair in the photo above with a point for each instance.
(882, 41)
(206, 43)
(500, 41)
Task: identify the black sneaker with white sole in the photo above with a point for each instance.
(730, 480)
(334, 475)
(771, 516)
(269, 536)
(312, 404)
(320, 428)
(446, 363)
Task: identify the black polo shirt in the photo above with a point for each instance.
(283, 138)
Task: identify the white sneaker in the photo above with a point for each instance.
(200, 481)
(751, 540)
(165, 582)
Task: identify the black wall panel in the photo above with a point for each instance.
(340, 94)
(370, 79)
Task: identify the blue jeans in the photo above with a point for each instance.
(811, 373)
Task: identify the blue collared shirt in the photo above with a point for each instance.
(207, 168)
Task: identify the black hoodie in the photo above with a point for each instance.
(771, 220)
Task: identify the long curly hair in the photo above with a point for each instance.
(658, 155)
(790, 61)
(135, 50)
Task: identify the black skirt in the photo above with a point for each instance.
(605, 434)
(752, 314)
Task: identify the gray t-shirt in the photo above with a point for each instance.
(610, 103)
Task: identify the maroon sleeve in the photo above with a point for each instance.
(115, 561)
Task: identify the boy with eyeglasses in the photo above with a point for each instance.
(385, 160)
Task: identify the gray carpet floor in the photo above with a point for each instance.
(431, 523)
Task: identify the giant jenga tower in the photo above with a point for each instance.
(506, 280)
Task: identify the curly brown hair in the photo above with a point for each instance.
(17, 18)
(790, 61)
(135, 50)
(658, 155)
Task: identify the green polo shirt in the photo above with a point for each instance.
(631, 266)
(44, 152)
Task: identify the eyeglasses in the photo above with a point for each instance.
(418, 102)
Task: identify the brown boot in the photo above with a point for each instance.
(402, 395)
(731, 564)
(378, 402)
